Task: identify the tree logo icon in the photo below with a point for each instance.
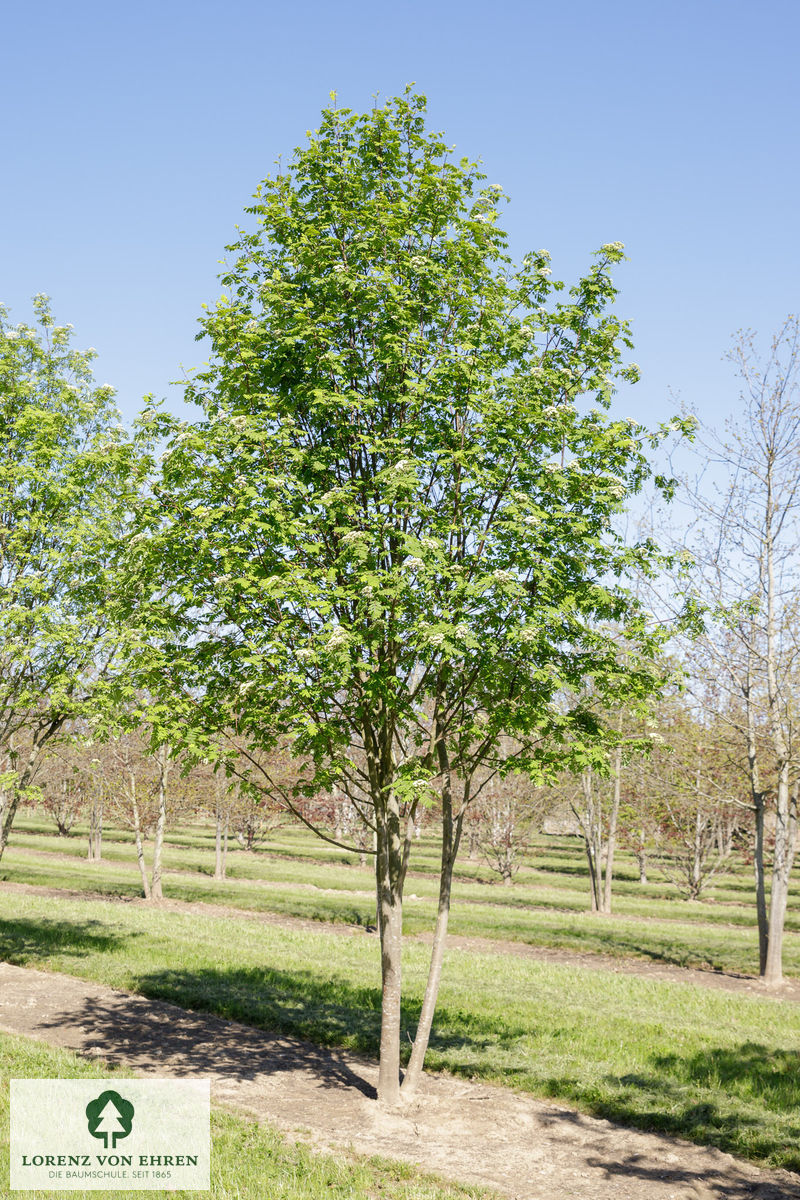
(109, 1117)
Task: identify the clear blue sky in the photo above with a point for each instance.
(134, 135)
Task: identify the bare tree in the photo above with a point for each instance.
(745, 541)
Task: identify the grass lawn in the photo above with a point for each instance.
(248, 1161)
(299, 875)
(713, 1066)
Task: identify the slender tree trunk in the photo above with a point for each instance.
(137, 830)
(587, 821)
(772, 972)
(156, 892)
(390, 912)
(785, 837)
(219, 862)
(761, 890)
(451, 835)
(16, 792)
(641, 857)
(612, 830)
(758, 810)
(95, 852)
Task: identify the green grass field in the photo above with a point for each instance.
(296, 874)
(709, 1065)
(713, 1066)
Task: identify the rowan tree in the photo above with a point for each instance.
(389, 538)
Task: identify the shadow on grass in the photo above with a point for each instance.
(743, 1099)
(25, 942)
(722, 1097)
(145, 1031)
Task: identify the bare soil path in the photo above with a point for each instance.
(522, 1147)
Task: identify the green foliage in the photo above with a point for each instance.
(68, 478)
(402, 493)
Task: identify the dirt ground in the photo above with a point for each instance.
(524, 1148)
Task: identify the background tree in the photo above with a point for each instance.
(697, 791)
(389, 538)
(68, 477)
(507, 812)
(746, 545)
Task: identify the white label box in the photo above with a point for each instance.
(112, 1134)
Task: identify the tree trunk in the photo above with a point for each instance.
(137, 830)
(219, 862)
(761, 891)
(95, 851)
(641, 857)
(16, 792)
(156, 892)
(612, 830)
(451, 835)
(390, 913)
(785, 838)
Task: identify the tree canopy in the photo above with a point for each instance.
(391, 538)
(69, 474)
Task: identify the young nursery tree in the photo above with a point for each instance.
(68, 475)
(389, 538)
(745, 549)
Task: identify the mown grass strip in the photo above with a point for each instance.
(716, 1067)
(690, 942)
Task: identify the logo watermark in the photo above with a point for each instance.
(76, 1134)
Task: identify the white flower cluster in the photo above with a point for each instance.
(239, 422)
(436, 639)
(504, 576)
(613, 246)
(338, 637)
(413, 562)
